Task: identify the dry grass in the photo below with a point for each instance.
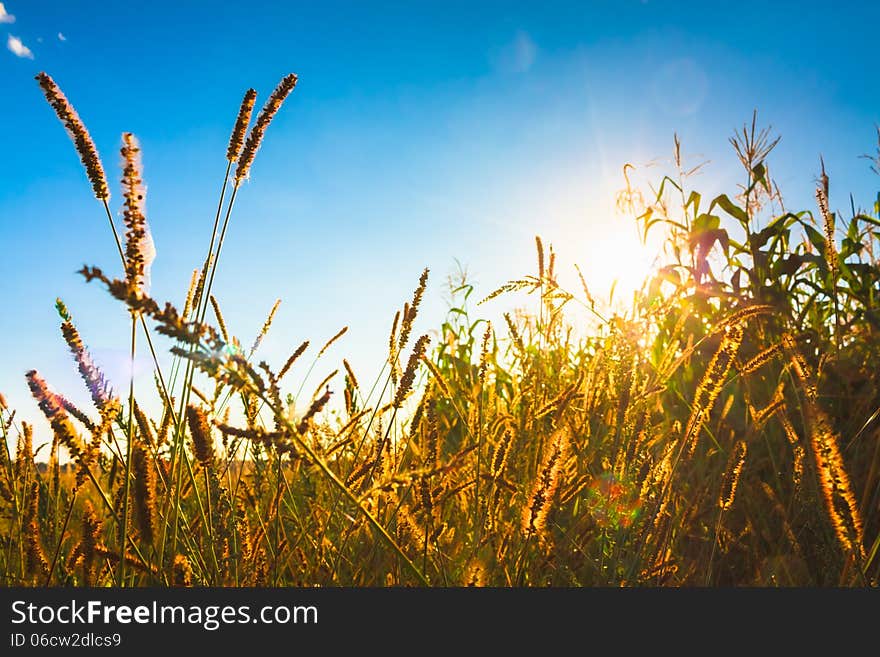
(721, 431)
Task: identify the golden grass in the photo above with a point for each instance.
(718, 425)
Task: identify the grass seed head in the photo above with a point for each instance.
(82, 140)
(236, 139)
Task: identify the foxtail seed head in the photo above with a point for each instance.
(200, 430)
(82, 140)
(55, 413)
(731, 475)
(144, 492)
(139, 251)
(255, 137)
(535, 514)
(236, 139)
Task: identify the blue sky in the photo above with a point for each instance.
(419, 133)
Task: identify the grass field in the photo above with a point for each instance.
(721, 430)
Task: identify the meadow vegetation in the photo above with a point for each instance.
(722, 430)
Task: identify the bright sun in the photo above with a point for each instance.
(614, 257)
(610, 254)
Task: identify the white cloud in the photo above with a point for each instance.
(61, 37)
(18, 48)
(5, 17)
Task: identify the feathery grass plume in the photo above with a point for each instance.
(190, 294)
(264, 118)
(138, 249)
(99, 388)
(165, 424)
(392, 339)
(497, 465)
(743, 314)
(761, 359)
(350, 373)
(200, 430)
(93, 449)
(712, 382)
(53, 468)
(55, 413)
(484, 354)
(168, 319)
(202, 396)
(549, 407)
(514, 334)
(536, 512)
(199, 290)
(797, 470)
(91, 539)
(343, 435)
(265, 329)
(658, 476)
(220, 320)
(511, 286)
(415, 421)
(132, 560)
(432, 435)
(329, 342)
(499, 456)
(730, 480)
(290, 361)
(356, 476)
(324, 383)
(840, 501)
(759, 417)
(5, 490)
(144, 492)
(24, 453)
(254, 433)
(274, 389)
(410, 311)
(801, 368)
(409, 374)
(74, 410)
(430, 457)
(143, 425)
(409, 529)
(552, 405)
(243, 532)
(236, 139)
(3, 405)
(587, 295)
(540, 247)
(797, 449)
(392, 347)
(437, 376)
(313, 410)
(82, 140)
(350, 403)
(777, 404)
(425, 494)
(36, 562)
(828, 226)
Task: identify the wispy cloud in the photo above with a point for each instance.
(61, 37)
(18, 48)
(517, 56)
(5, 17)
